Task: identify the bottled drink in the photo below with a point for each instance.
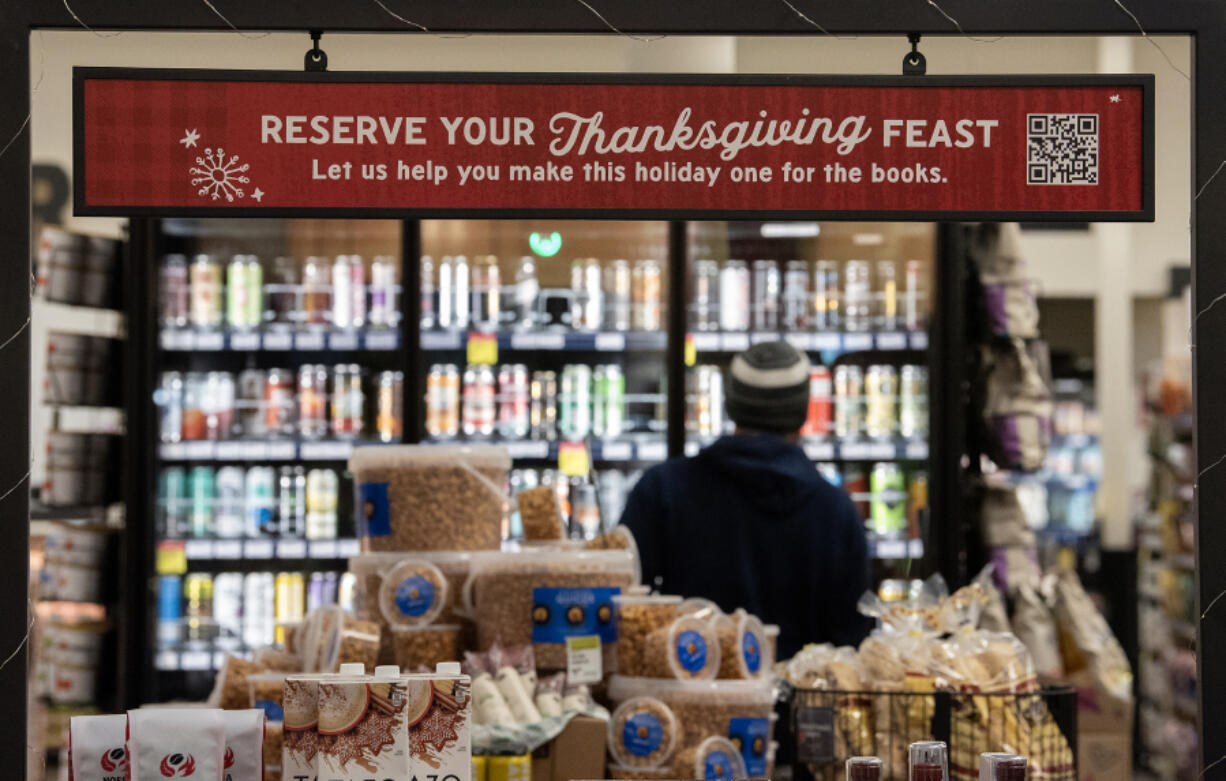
(230, 502)
(584, 509)
(429, 318)
(228, 609)
(913, 402)
(881, 405)
(618, 284)
(593, 306)
(887, 283)
(513, 401)
(206, 293)
(347, 401)
(291, 501)
(848, 402)
(578, 295)
(170, 610)
(252, 423)
(928, 761)
(357, 292)
(282, 290)
(608, 419)
(706, 298)
(384, 305)
(388, 406)
(312, 401)
(342, 293)
(1002, 767)
(543, 409)
(259, 490)
(888, 505)
(244, 292)
(173, 503)
(193, 407)
(766, 292)
(479, 408)
(202, 489)
(857, 296)
(316, 292)
(170, 407)
(817, 422)
(462, 318)
(218, 405)
(796, 296)
(734, 296)
(198, 612)
(527, 290)
(446, 293)
(279, 402)
(863, 769)
(646, 307)
(259, 625)
(486, 293)
(826, 314)
(173, 291)
(575, 401)
(443, 401)
(322, 491)
(912, 297)
(711, 401)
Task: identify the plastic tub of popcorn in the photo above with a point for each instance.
(716, 758)
(414, 647)
(638, 615)
(743, 645)
(686, 648)
(430, 497)
(643, 733)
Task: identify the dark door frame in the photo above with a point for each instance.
(1203, 20)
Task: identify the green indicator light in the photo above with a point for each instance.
(545, 247)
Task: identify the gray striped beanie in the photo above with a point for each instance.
(768, 388)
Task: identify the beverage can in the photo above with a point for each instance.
(173, 291)
(543, 406)
(173, 503)
(446, 293)
(848, 402)
(575, 402)
(609, 401)
(881, 404)
(888, 506)
(513, 401)
(315, 592)
(198, 607)
(249, 407)
(231, 502)
(287, 502)
(855, 483)
(706, 295)
(259, 625)
(887, 284)
(170, 407)
(826, 314)
(795, 315)
(821, 399)
(734, 296)
(388, 406)
(228, 609)
(857, 296)
(259, 492)
(279, 402)
(480, 411)
(193, 408)
(509, 768)
(312, 401)
(917, 503)
(316, 292)
(322, 498)
(913, 402)
(618, 291)
(766, 292)
(645, 296)
(461, 283)
(282, 290)
(480, 772)
(346, 401)
(527, 290)
(594, 304)
(244, 292)
(912, 296)
(429, 315)
(170, 610)
(217, 402)
(206, 293)
(357, 292)
(202, 489)
(486, 291)
(342, 293)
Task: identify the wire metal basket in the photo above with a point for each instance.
(830, 726)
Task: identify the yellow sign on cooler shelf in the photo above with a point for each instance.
(691, 352)
(573, 459)
(171, 558)
(483, 348)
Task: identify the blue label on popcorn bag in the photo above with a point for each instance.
(559, 613)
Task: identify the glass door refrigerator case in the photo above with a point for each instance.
(549, 337)
(277, 349)
(855, 298)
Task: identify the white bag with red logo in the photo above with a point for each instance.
(244, 758)
(169, 744)
(96, 750)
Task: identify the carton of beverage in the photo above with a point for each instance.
(300, 742)
(361, 729)
(439, 717)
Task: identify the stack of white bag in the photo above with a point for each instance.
(155, 744)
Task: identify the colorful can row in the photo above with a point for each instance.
(260, 502)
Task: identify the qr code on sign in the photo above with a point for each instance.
(1061, 149)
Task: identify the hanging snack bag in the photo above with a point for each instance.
(96, 750)
(549, 695)
(244, 758)
(489, 704)
(511, 683)
(170, 743)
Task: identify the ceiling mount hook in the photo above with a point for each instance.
(316, 59)
(914, 63)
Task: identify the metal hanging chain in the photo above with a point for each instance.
(316, 59)
(914, 63)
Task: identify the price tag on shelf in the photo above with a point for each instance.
(195, 660)
(325, 451)
(170, 558)
(799, 341)
(198, 549)
(892, 341)
(881, 451)
(573, 459)
(915, 549)
(819, 451)
(691, 351)
(228, 549)
(280, 451)
(706, 342)
(278, 340)
(166, 661)
(854, 342)
(257, 549)
(613, 450)
(249, 340)
(199, 451)
(919, 340)
(172, 451)
(175, 339)
(826, 341)
(759, 337)
(431, 340)
(291, 549)
(323, 549)
(528, 449)
(230, 450)
(891, 549)
(734, 342)
(482, 348)
(348, 548)
(309, 340)
(343, 340)
(611, 342)
(583, 659)
(652, 451)
(386, 340)
(210, 340)
(853, 451)
(252, 451)
(917, 451)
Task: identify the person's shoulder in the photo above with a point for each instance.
(836, 500)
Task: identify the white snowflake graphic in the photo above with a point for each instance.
(218, 177)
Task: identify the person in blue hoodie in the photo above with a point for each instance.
(749, 522)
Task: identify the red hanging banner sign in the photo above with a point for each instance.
(260, 143)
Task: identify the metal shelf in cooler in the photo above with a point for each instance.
(557, 341)
(620, 449)
(823, 342)
(185, 340)
(831, 450)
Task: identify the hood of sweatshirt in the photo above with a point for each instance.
(774, 473)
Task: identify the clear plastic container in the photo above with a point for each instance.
(638, 615)
(744, 648)
(687, 649)
(620, 538)
(414, 647)
(703, 708)
(643, 733)
(504, 596)
(344, 639)
(714, 759)
(430, 497)
(413, 593)
(699, 606)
